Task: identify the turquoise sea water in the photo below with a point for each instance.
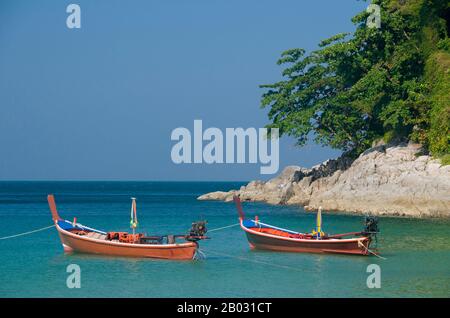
(417, 251)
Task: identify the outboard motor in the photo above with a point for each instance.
(371, 228)
(197, 231)
(371, 225)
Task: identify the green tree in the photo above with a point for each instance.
(358, 88)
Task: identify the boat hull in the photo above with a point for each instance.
(262, 241)
(75, 243)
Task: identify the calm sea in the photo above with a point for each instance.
(417, 251)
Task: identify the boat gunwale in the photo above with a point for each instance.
(246, 229)
(120, 244)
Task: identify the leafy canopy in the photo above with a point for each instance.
(357, 88)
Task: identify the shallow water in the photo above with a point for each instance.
(417, 251)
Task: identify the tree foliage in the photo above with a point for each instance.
(358, 88)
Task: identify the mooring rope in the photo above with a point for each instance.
(241, 258)
(223, 227)
(370, 251)
(377, 255)
(26, 233)
(48, 227)
(244, 258)
(199, 255)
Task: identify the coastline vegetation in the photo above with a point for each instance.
(390, 83)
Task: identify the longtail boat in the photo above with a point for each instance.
(267, 237)
(76, 237)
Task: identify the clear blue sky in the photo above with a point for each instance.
(100, 102)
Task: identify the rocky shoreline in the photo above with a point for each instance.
(394, 180)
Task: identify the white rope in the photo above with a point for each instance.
(199, 255)
(244, 258)
(26, 233)
(223, 227)
(241, 258)
(48, 227)
(377, 255)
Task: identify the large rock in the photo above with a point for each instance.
(218, 195)
(384, 180)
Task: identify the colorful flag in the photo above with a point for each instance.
(319, 222)
(133, 221)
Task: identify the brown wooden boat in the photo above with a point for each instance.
(76, 237)
(267, 237)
